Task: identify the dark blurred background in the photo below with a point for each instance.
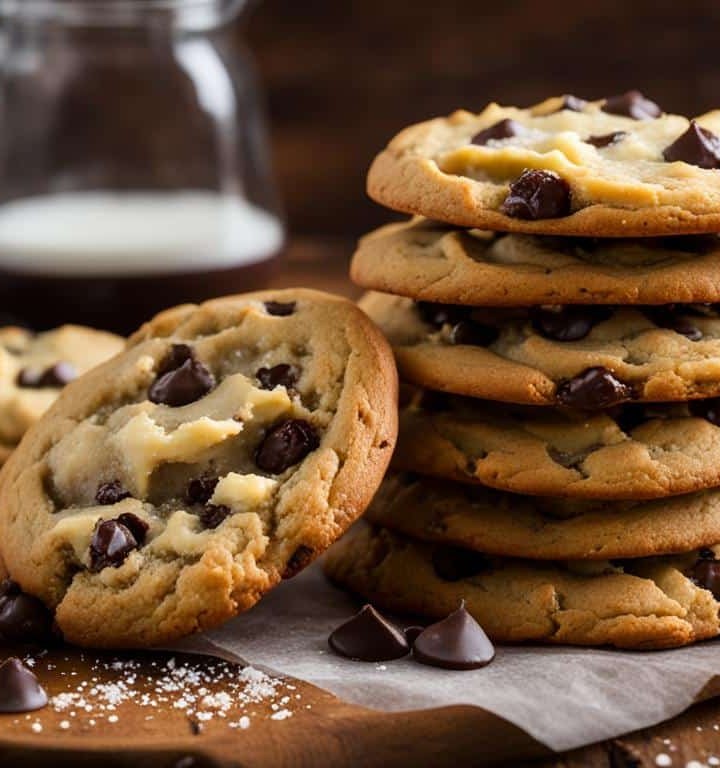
(342, 76)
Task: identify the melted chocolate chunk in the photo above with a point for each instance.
(632, 104)
(183, 385)
(457, 642)
(300, 558)
(474, 334)
(606, 140)
(201, 489)
(697, 146)
(592, 389)
(178, 354)
(136, 525)
(537, 195)
(438, 315)
(211, 515)
(368, 636)
(286, 444)
(111, 543)
(567, 323)
(55, 376)
(572, 103)
(279, 308)
(706, 574)
(668, 317)
(628, 416)
(20, 690)
(282, 375)
(706, 409)
(23, 618)
(457, 563)
(412, 633)
(706, 554)
(111, 493)
(504, 129)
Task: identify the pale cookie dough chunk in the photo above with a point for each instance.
(647, 603)
(581, 356)
(633, 451)
(227, 447)
(614, 167)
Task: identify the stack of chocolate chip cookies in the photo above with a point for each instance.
(554, 308)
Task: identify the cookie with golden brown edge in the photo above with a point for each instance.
(661, 602)
(536, 356)
(616, 167)
(545, 528)
(429, 261)
(228, 446)
(634, 451)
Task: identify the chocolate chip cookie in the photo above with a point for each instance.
(429, 261)
(539, 356)
(543, 528)
(615, 167)
(645, 603)
(35, 367)
(229, 445)
(633, 451)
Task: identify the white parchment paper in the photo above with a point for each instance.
(563, 697)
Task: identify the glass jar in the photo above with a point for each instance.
(134, 168)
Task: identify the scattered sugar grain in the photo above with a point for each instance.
(282, 714)
(64, 724)
(36, 727)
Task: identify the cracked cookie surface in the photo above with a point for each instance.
(546, 528)
(227, 447)
(634, 451)
(643, 604)
(667, 353)
(429, 261)
(614, 167)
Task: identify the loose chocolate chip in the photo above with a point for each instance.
(474, 334)
(456, 563)
(299, 559)
(211, 515)
(504, 129)
(111, 543)
(572, 103)
(111, 493)
(186, 384)
(178, 354)
(567, 323)
(606, 140)
(23, 618)
(592, 389)
(282, 375)
(412, 633)
(457, 642)
(668, 317)
(697, 146)
(58, 375)
(368, 636)
(632, 104)
(537, 195)
(20, 690)
(136, 525)
(438, 315)
(286, 444)
(279, 308)
(706, 573)
(706, 409)
(201, 489)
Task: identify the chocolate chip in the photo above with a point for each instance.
(697, 146)
(111, 543)
(299, 559)
(706, 409)
(537, 195)
(628, 416)
(28, 378)
(282, 375)
(186, 384)
(606, 140)
(368, 636)
(178, 354)
(279, 308)
(211, 515)
(457, 642)
(567, 323)
(56, 376)
(23, 618)
(592, 389)
(504, 129)
(412, 633)
(474, 334)
(201, 489)
(572, 103)
(632, 104)
(706, 554)
(438, 315)
(286, 444)
(136, 525)
(668, 317)
(706, 574)
(111, 493)
(20, 690)
(457, 563)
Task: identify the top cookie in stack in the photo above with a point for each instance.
(561, 377)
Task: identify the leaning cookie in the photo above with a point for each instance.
(429, 261)
(633, 451)
(644, 604)
(229, 445)
(554, 355)
(546, 528)
(615, 167)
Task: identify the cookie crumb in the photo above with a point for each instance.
(663, 760)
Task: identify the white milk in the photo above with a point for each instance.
(134, 233)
